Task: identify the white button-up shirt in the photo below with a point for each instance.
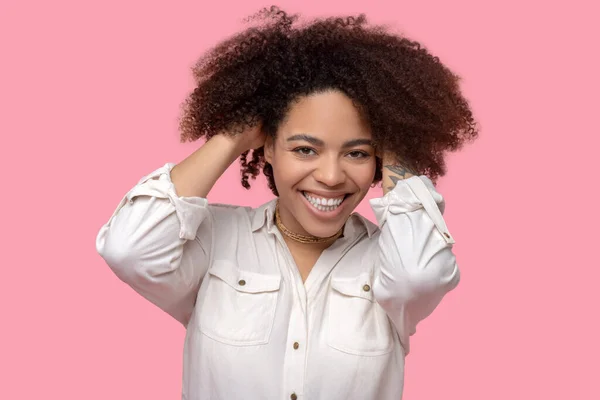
(254, 329)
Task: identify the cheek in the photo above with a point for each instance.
(364, 174)
(286, 172)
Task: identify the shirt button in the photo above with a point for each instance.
(242, 282)
(446, 234)
(366, 288)
(293, 396)
(296, 345)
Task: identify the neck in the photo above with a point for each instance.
(306, 247)
(299, 238)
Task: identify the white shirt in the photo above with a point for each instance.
(254, 329)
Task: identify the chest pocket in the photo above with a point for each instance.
(356, 323)
(238, 307)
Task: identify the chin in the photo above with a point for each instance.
(322, 231)
(322, 219)
(325, 220)
(321, 224)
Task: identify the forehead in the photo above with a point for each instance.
(330, 116)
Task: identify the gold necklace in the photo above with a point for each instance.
(302, 238)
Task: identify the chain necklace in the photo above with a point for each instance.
(302, 238)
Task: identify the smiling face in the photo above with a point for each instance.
(323, 163)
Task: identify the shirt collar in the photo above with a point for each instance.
(356, 224)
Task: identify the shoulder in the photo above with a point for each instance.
(360, 222)
(222, 212)
(228, 215)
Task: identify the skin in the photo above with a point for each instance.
(323, 147)
(394, 171)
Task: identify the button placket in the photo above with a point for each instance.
(295, 355)
(295, 358)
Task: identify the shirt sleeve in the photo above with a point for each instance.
(159, 243)
(416, 266)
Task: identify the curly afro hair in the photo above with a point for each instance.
(411, 101)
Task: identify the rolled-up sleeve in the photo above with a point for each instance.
(416, 266)
(159, 243)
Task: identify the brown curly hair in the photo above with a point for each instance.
(411, 101)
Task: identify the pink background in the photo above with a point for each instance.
(90, 95)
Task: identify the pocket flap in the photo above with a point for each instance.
(359, 286)
(244, 281)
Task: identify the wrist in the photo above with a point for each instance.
(229, 145)
(394, 170)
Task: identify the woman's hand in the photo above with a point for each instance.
(393, 171)
(251, 138)
(196, 175)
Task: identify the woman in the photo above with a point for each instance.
(301, 297)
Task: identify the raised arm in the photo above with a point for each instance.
(416, 264)
(159, 238)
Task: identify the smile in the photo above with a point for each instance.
(322, 203)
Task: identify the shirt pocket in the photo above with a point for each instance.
(357, 324)
(238, 307)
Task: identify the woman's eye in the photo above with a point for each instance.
(358, 154)
(304, 151)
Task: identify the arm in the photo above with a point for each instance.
(196, 175)
(416, 264)
(394, 171)
(159, 238)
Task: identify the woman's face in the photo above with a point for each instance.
(323, 163)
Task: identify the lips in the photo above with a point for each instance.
(324, 203)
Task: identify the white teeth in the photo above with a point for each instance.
(322, 204)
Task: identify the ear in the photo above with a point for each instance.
(268, 149)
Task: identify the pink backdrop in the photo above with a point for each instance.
(90, 95)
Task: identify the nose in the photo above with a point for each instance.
(330, 172)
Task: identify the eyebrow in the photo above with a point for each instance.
(318, 142)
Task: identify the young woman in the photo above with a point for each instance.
(301, 298)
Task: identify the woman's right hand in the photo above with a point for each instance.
(196, 175)
(251, 138)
